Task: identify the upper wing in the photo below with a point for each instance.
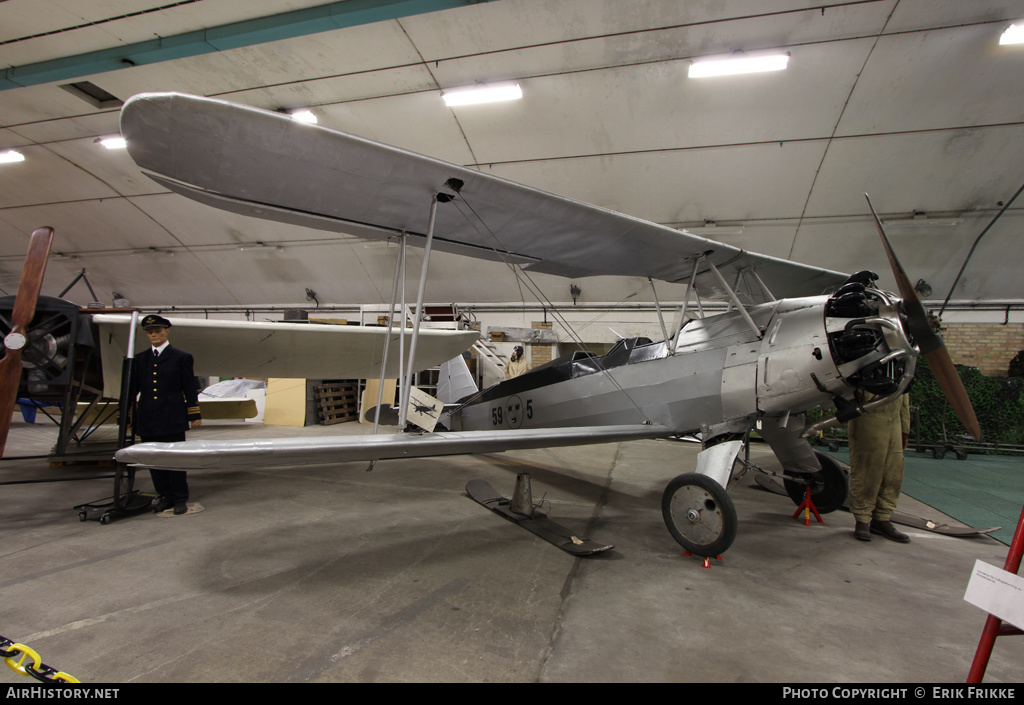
(197, 455)
(267, 165)
(277, 349)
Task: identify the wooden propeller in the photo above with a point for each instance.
(929, 341)
(21, 318)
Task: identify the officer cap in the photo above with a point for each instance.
(154, 321)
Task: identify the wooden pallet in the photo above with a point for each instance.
(337, 402)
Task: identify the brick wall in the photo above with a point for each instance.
(540, 353)
(987, 346)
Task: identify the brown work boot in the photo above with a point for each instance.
(862, 531)
(886, 529)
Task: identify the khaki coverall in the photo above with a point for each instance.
(514, 368)
(876, 460)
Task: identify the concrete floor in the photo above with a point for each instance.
(331, 573)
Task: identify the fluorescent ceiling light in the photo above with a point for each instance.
(304, 116)
(484, 93)
(1014, 34)
(113, 142)
(11, 156)
(740, 63)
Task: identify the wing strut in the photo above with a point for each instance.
(690, 289)
(127, 373)
(438, 197)
(399, 276)
(765, 291)
(661, 318)
(734, 299)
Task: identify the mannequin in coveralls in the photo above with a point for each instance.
(877, 442)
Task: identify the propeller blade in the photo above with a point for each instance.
(917, 319)
(931, 344)
(946, 375)
(21, 317)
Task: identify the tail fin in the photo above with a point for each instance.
(454, 381)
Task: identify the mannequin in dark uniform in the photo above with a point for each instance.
(168, 405)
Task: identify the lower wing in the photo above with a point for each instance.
(198, 455)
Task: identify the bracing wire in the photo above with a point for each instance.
(976, 241)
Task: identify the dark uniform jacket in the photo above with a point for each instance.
(168, 397)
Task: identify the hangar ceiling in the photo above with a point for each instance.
(912, 101)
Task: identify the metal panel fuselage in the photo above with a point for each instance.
(722, 373)
(711, 379)
(679, 392)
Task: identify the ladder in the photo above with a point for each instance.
(486, 350)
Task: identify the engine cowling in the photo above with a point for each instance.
(818, 351)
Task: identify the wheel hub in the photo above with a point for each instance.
(699, 514)
(703, 517)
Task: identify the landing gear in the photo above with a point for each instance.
(829, 490)
(699, 514)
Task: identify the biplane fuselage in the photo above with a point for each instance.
(721, 376)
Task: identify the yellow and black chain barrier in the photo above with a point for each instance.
(16, 656)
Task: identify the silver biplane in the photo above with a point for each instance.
(794, 337)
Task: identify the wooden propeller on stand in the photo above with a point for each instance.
(21, 318)
(929, 341)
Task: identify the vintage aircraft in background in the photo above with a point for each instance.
(60, 354)
(793, 338)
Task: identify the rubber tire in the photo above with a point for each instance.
(829, 496)
(706, 495)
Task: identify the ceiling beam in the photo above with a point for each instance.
(335, 15)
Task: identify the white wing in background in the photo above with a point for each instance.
(278, 349)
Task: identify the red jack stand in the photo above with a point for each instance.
(994, 626)
(707, 559)
(807, 506)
